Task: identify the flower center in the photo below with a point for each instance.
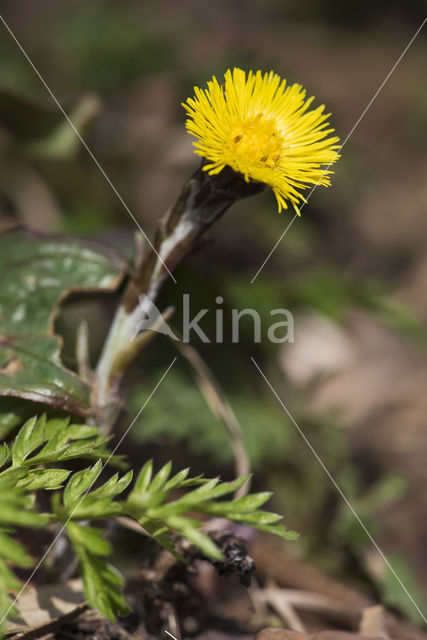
(257, 141)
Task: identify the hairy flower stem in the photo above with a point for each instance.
(202, 201)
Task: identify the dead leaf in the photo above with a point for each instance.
(40, 608)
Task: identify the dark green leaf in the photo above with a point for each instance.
(35, 272)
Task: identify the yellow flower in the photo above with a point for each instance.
(264, 130)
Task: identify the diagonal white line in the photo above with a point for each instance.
(84, 143)
(87, 491)
(275, 247)
(337, 487)
(342, 146)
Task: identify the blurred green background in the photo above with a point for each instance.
(352, 270)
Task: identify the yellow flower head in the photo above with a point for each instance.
(265, 131)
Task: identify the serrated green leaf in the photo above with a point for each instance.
(10, 477)
(4, 454)
(190, 499)
(52, 448)
(55, 426)
(93, 509)
(160, 478)
(80, 449)
(144, 478)
(81, 482)
(102, 582)
(246, 505)
(258, 517)
(228, 487)
(100, 503)
(48, 479)
(112, 487)
(65, 442)
(89, 537)
(195, 481)
(251, 502)
(177, 480)
(81, 431)
(29, 437)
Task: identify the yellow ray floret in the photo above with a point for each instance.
(264, 130)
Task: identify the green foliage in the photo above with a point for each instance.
(265, 427)
(161, 503)
(148, 504)
(102, 582)
(81, 503)
(44, 270)
(16, 510)
(35, 272)
(24, 469)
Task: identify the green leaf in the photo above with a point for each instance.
(148, 504)
(277, 530)
(57, 440)
(246, 505)
(112, 487)
(100, 503)
(222, 488)
(177, 480)
(102, 582)
(29, 437)
(14, 551)
(47, 479)
(81, 482)
(8, 581)
(8, 578)
(16, 508)
(89, 537)
(191, 531)
(160, 478)
(93, 509)
(22, 516)
(144, 478)
(4, 454)
(35, 273)
(256, 518)
(13, 412)
(81, 431)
